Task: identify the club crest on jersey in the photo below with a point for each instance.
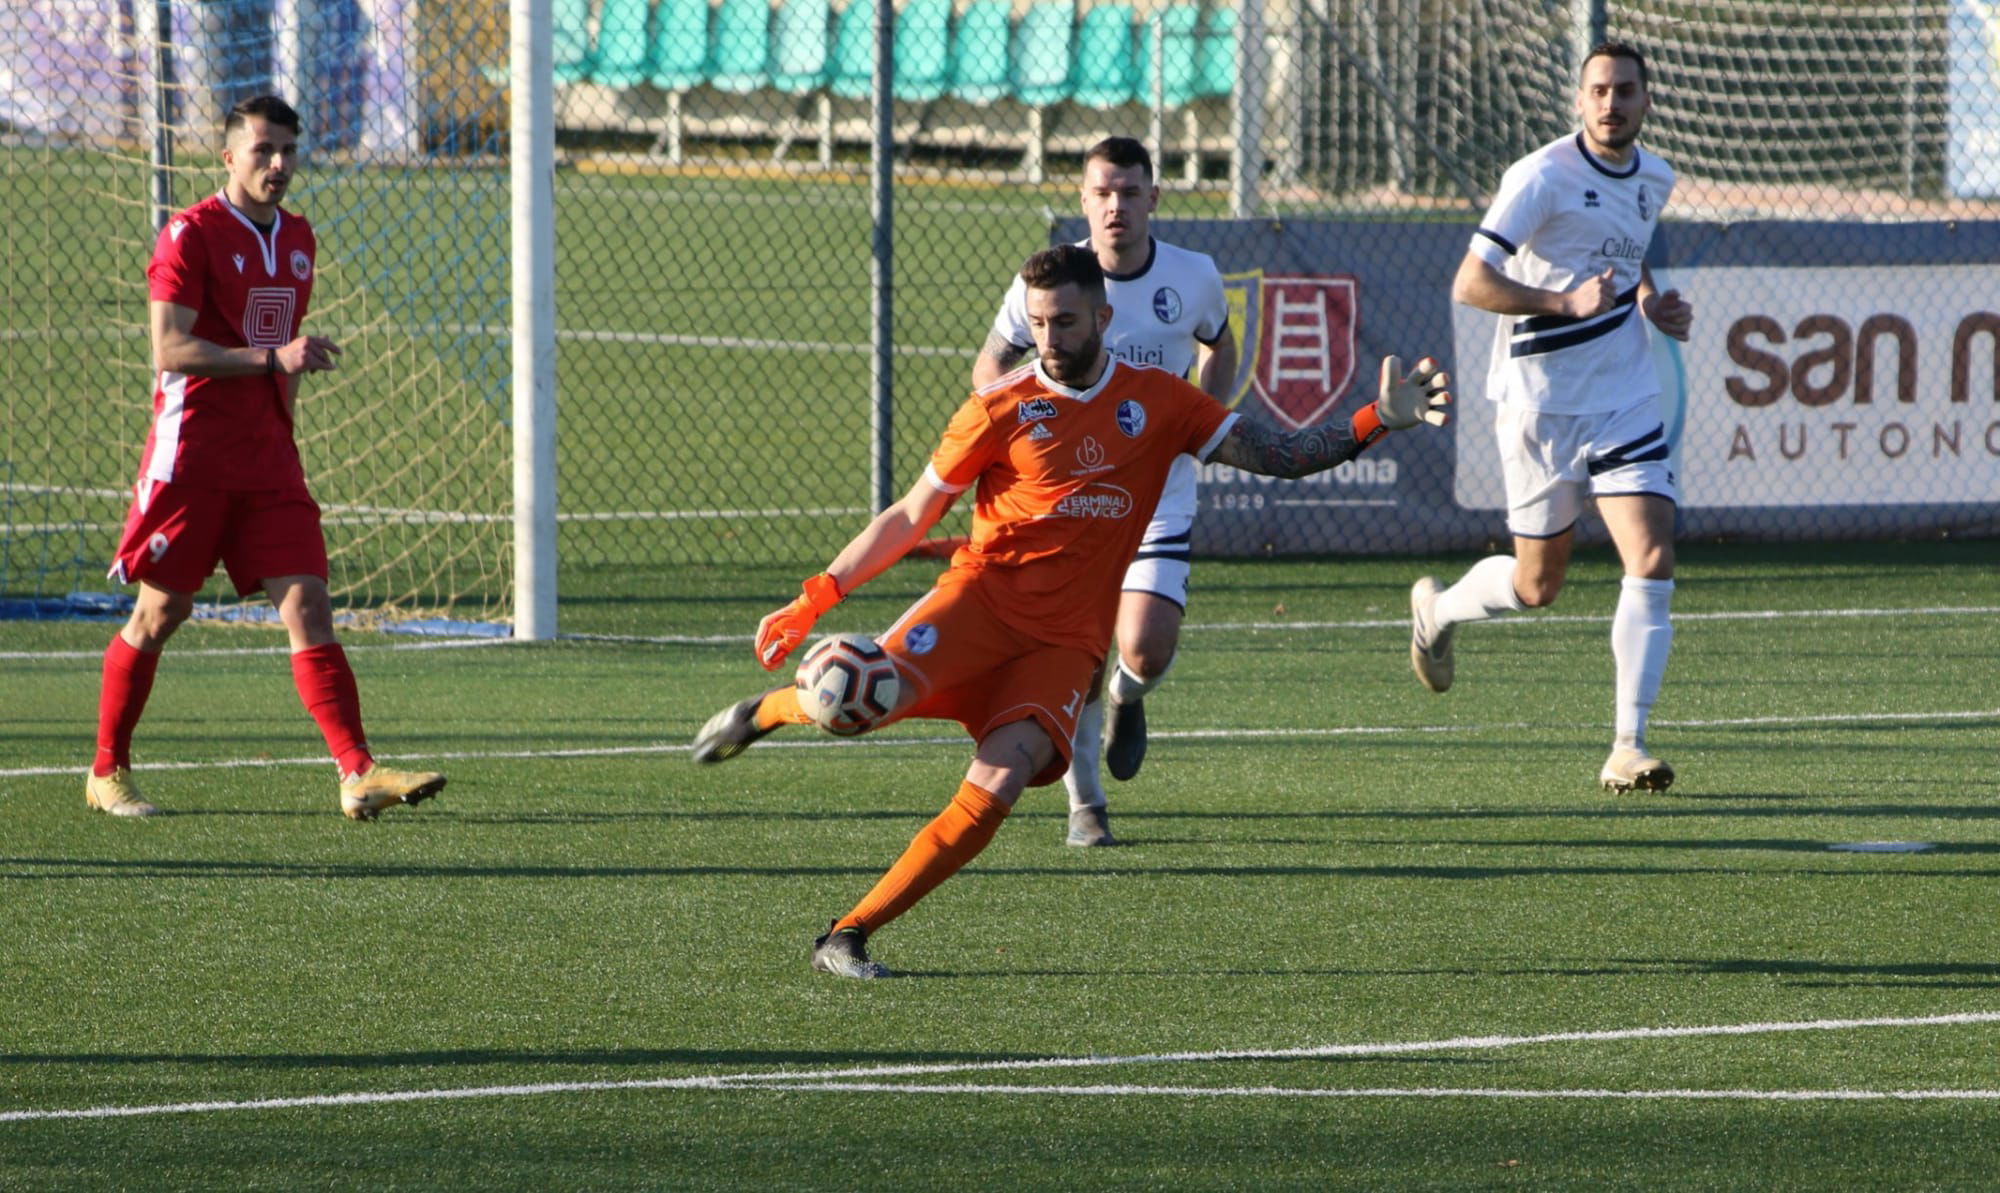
(1297, 354)
(1131, 418)
(920, 639)
(302, 265)
(1166, 304)
(1034, 410)
(1645, 203)
(1090, 454)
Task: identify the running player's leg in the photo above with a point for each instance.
(1545, 480)
(1637, 503)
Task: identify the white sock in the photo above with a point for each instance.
(1641, 634)
(1482, 594)
(1127, 687)
(1085, 789)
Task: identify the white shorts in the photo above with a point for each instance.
(1555, 462)
(1165, 555)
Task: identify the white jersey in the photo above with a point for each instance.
(1158, 314)
(1563, 215)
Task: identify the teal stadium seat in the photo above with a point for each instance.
(1105, 70)
(739, 45)
(799, 51)
(569, 40)
(853, 50)
(1041, 53)
(979, 52)
(1174, 43)
(622, 50)
(680, 45)
(923, 50)
(1217, 57)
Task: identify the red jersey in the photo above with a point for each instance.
(1067, 480)
(247, 287)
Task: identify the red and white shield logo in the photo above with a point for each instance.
(1304, 346)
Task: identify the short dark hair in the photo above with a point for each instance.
(1619, 49)
(265, 107)
(1123, 152)
(1065, 265)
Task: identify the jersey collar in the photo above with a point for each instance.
(1082, 395)
(269, 244)
(1597, 163)
(1152, 251)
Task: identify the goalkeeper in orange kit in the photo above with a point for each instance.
(1068, 457)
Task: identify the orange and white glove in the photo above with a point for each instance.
(1404, 401)
(783, 630)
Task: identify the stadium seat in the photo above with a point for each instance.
(1172, 42)
(622, 49)
(680, 45)
(1041, 53)
(1106, 73)
(569, 40)
(799, 50)
(1216, 63)
(740, 45)
(923, 50)
(853, 68)
(979, 52)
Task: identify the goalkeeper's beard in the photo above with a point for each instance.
(1074, 368)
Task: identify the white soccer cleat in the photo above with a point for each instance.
(1430, 646)
(1634, 770)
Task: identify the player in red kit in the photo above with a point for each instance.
(220, 480)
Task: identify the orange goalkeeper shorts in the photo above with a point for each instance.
(969, 666)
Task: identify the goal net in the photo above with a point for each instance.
(108, 122)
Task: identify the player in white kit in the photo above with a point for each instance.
(1560, 256)
(1167, 310)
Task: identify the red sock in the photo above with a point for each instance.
(935, 854)
(327, 689)
(128, 680)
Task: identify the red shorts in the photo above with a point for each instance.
(175, 534)
(969, 666)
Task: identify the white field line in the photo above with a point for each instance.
(206, 651)
(873, 742)
(871, 1077)
(1280, 1091)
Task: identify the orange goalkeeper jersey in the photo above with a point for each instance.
(1066, 482)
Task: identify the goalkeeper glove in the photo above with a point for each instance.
(779, 632)
(1402, 401)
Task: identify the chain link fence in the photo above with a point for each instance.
(715, 233)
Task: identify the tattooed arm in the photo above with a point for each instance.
(997, 358)
(1259, 447)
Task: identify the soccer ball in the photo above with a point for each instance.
(847, 684)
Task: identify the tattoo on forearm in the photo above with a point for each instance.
(1003, 353)
(1261, 448)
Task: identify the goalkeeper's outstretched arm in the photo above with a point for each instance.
(1400, 401)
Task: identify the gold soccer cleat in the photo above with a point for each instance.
(362, 797)
(114, 793)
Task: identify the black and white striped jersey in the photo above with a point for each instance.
(1563, 215)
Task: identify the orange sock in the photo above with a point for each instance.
(780, 706)
(935, 854)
